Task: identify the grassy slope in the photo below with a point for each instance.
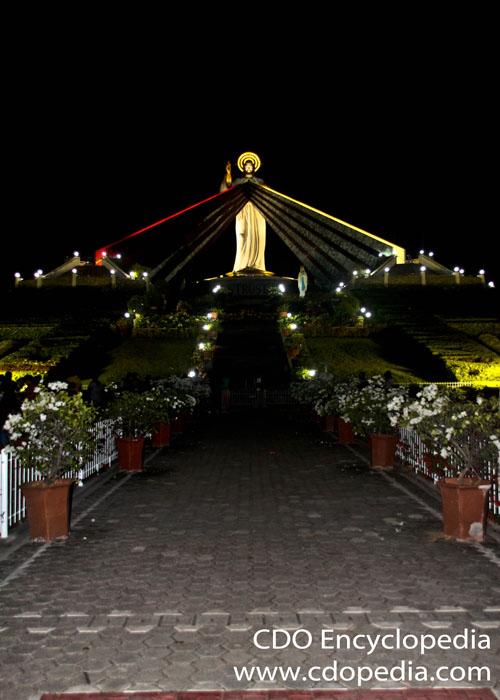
(154, 357)
(345, 357)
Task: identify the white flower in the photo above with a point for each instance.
(57, 386)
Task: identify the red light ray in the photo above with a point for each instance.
(100, 251)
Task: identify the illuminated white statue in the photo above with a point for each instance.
(302, 282)
(250, 224)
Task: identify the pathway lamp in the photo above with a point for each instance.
(206, 327)
(73, 277)
(18, 278)
(126, 314)
(289, 314)
(491, 284)
(281, 287)
(386, 276)
(201, 346)
(311, 373)
(481, 276)
(113, 278)
(76, 254)
(293, 326)
(192, 373)
(423, 277)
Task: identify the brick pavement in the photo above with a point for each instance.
(251, 522)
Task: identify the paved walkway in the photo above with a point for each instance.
(251, 522)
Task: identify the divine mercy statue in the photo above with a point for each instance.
(250, 224)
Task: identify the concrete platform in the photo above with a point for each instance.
(255, 523)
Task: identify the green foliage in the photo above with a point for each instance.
(464, 433)
(490, 341)
(372, 407)
(53, 431)
(7, 346)
(25, 332)
(175, 325)
(346, 309)
(133, 413)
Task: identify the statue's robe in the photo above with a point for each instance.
(250, 234)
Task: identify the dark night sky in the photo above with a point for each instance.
(400, 149)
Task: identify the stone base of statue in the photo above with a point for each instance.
(249, 271)
(256, 284)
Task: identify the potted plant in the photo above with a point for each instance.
(465, 435)
(134, 417)
(183, 394)
(52, 435)
(325, 403)
(373, 409)
(166, 406)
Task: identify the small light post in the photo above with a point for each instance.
(113, 278)
(17, 279)
(423, 277)
(386, 276)
(482, 277)
(73, 277)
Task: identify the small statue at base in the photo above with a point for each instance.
(302, 282)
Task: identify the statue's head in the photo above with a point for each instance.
(249, 163)
(248, 167)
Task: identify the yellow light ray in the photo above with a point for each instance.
(397, 250)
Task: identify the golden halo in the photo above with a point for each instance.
(253, 157)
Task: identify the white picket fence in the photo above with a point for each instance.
(411, 451)
(13, 475)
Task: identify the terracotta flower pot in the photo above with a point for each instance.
(178, 425)
(48, 508)
(330, 424)
(345, 432)
(383, 450)
(130, 454)
(465, 508)
(161, 435)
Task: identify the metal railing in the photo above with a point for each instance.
(13, 475)
(412, 451)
